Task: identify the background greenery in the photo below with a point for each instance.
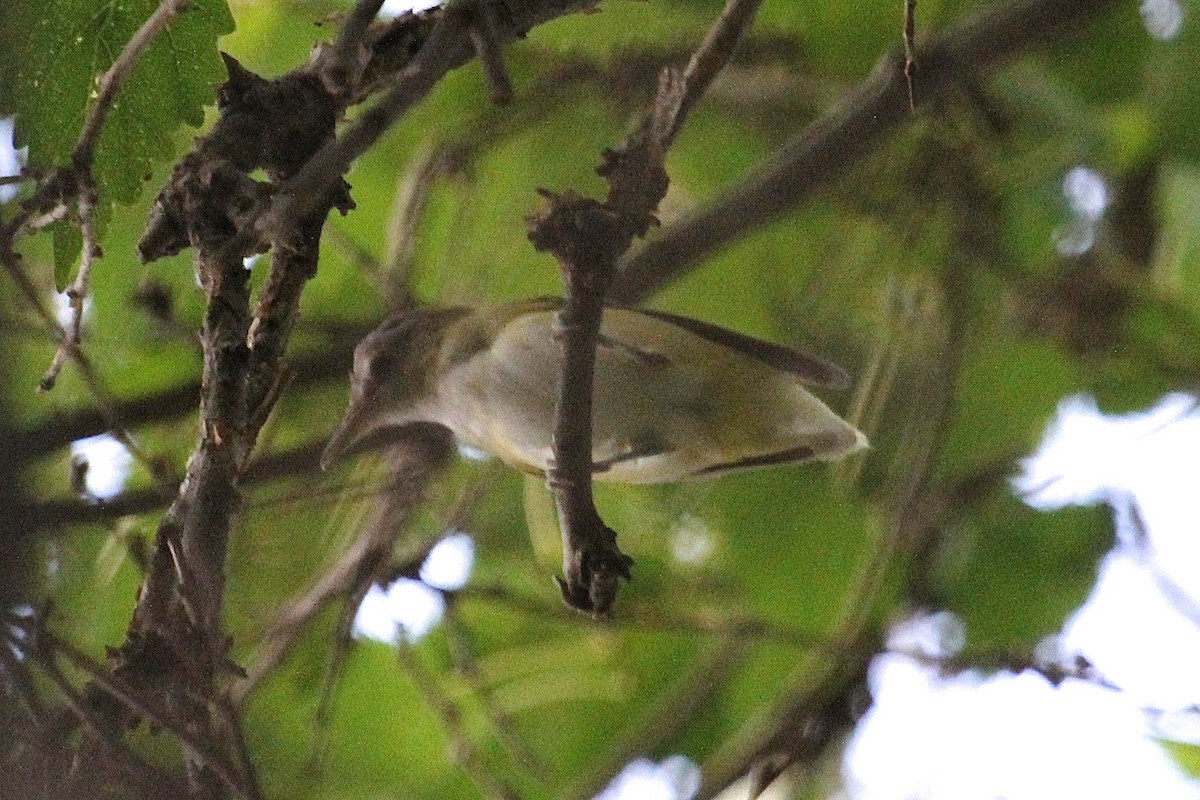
(930, 272)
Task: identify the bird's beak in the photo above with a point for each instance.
(350, 432)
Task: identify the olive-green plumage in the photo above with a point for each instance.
(674, 398)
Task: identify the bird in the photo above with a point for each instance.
(674, 398)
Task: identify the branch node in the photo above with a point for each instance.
(582, 233)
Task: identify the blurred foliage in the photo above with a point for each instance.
(930, 272)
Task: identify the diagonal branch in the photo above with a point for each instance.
(416, 460)
(837, 140)
(711, 57)
(76, 181)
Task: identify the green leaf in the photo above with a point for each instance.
(68, 243)
(52, 56)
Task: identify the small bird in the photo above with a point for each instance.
(674, 398)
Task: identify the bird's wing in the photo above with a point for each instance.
(521, 369)
(810, 369)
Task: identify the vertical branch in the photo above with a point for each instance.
(176, 629)
(175, 642)
(294, 264)
(587, 237)
(584, 235)
(223, 421)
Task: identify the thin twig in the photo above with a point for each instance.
(336, 582)
(358, 256)
(486, 42)
(712, 55)
(232, 718)
(57, 213)
(409, 201)
(466, 754)
(910, 50)
(375, 568)
(81, 181)
(77, 292)
(114, 78)
(1055, 672)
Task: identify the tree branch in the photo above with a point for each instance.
(51, 515)
(413, 463)
(486, 40)
(820, 708)
(168, 405)
(343, 61)
(587, 237)
(838, 139)
(51, 200)
(75, 181)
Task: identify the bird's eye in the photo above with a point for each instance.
(381, 365)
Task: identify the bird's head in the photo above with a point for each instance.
(395, 367)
